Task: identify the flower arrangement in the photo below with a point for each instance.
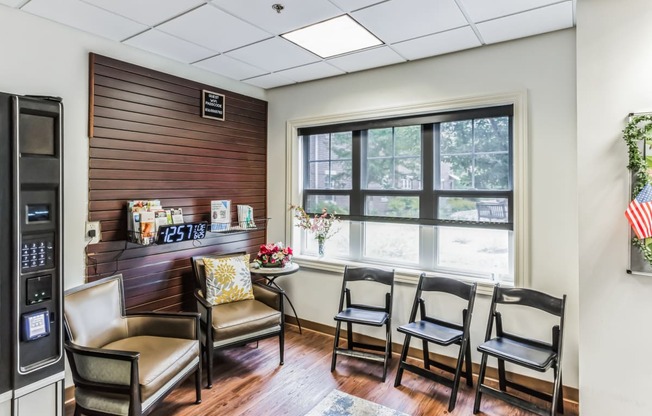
(273, 255)
(320, 225)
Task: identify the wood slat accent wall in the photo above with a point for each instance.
(149, 141)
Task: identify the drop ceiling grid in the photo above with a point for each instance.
(241, 40)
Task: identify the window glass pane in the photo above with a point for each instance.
(408, 173)
(341, 144)
(393, 158)
(491, 134)
(318, 147)
(319, 178)
(456, 137)
(473, 209)
(336, 246)
(492, 171)
(456, 172)
(474, 249)
(379, 143)
(334, 204)
(392, 206)
(329, 161)
(407, 141)
(392, 242)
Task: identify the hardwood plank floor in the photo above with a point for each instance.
(249, 381)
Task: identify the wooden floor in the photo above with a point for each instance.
(249, 381)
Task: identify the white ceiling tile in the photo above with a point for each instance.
(85, 17)
(230, 67)
(296, 14)
(274, 54)
(416, 17)
(481, 10)
(269, 81)
(438, 44)
(351, 5)
(149, 12)
(12, 3)
(370, 58)
(546, 19)
(311, 71)
(213, 29)
(163, 44)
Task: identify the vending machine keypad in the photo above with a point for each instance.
(37, 255)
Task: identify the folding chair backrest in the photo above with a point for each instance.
(531, 298)
(441, 284)
(385, 277)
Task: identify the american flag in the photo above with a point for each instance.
(639, 213)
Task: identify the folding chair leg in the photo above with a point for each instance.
(468, 365)
(399, 372)
(426, 355)
(336, 342)
(388, 349)
(557, 394)
(456, 379)
(478, 393)
(349, 335)
(502, 381)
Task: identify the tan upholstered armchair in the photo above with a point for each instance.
(124, 365)
(237, 323)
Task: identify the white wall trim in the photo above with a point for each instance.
(520, 151)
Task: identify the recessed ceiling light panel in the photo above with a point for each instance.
(333, 37)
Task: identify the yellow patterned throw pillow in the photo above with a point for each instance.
(228, 279)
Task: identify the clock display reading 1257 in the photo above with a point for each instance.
(181, 232)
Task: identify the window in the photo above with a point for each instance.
(429, 192)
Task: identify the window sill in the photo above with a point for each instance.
(401, 275)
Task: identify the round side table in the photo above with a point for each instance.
(271, 274)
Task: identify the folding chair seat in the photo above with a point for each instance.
(363, 314)
(440, 332)
(530, 353)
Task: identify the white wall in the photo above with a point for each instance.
(42, 57)
(542, 65)
(614, 67)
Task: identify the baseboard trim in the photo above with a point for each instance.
(571, 394)
(69, 394)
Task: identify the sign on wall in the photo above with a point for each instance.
(212, 105)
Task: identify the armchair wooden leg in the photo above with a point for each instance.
(77, 411)
(198, 384)
(209, 367)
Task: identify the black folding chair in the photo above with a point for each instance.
(360, 314)
(530, 353)
(440, 332)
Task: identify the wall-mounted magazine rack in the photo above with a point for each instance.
(256, 225)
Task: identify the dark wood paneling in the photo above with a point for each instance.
(148, 141)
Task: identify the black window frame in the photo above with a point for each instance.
(429, 195)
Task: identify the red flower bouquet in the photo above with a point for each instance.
(273, 255)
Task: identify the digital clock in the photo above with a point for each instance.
(181, 232)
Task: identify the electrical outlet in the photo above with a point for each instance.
(93, 232)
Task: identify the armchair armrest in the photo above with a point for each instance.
(268, 295)
(96, 368)
(174, 325)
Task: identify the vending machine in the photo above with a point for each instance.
(31, 255)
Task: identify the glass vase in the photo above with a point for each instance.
(320, 244)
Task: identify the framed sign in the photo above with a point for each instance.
(212, 105)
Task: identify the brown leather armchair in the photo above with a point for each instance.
(237, 323)
(124, 365)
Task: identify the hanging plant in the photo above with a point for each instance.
(637, 134)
